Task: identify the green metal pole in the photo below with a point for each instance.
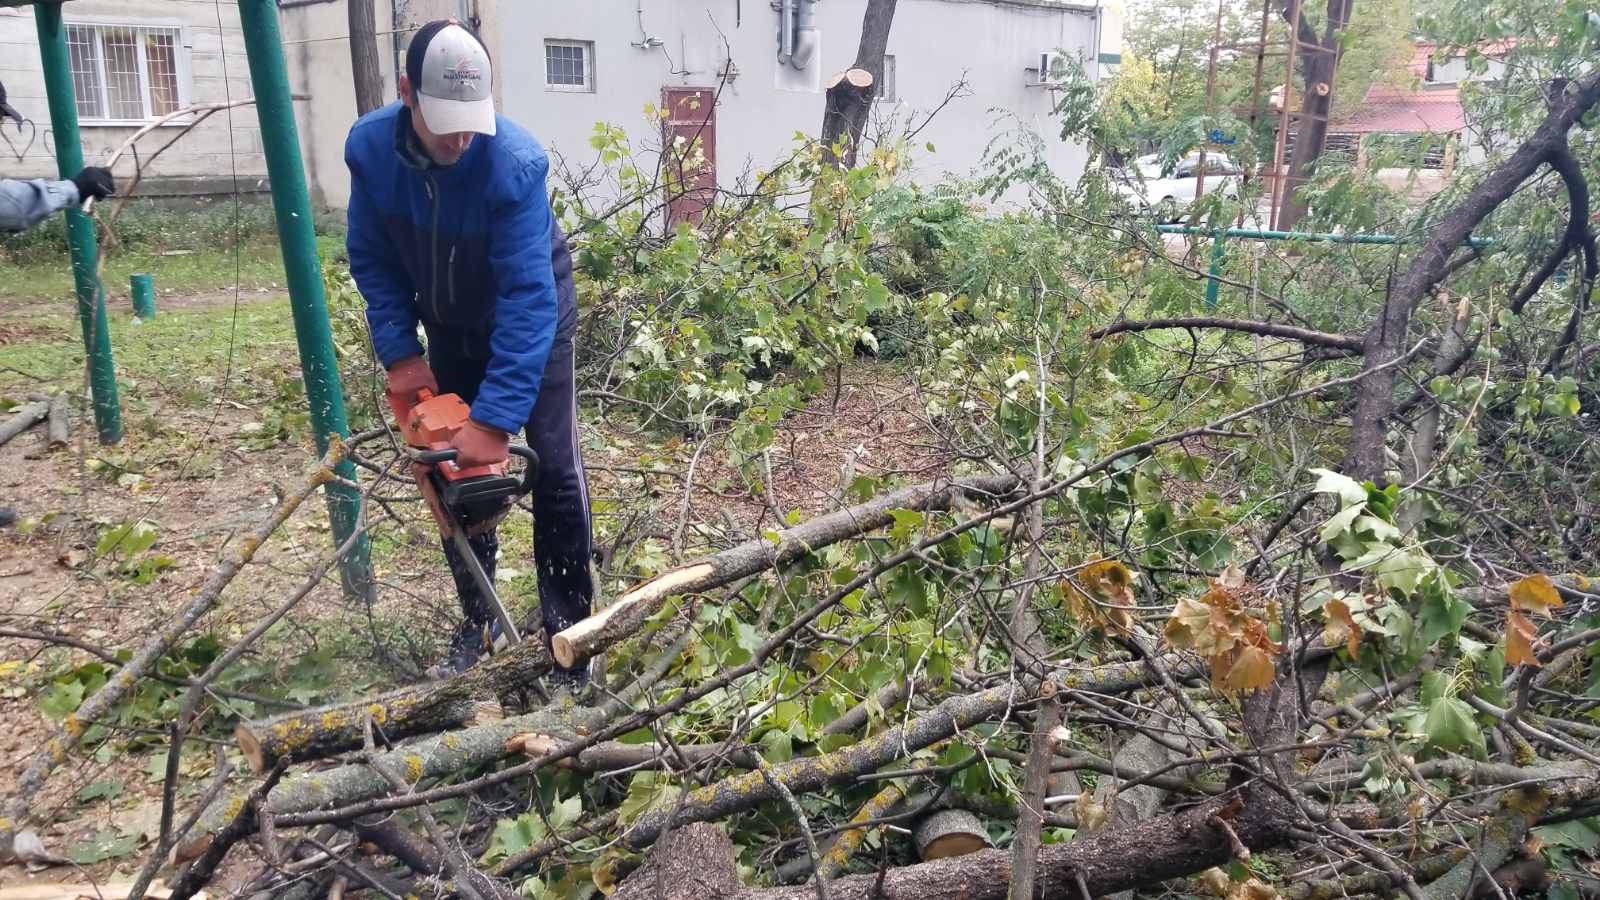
(1214, 280)
(80, 230)
(291, 202)
(143, 289)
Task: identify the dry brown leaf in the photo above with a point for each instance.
(1522, 636)
(1253, 670)
(1102, 594)
(1535, 594)
(1253, 889)
(1341, 628)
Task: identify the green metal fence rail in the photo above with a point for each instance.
(1219, 238)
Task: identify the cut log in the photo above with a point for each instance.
(695, 862)
(25, 417)
(457, 702)
(631, 610)
(60, 423)
(950, 832)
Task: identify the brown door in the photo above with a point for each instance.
(689, 140)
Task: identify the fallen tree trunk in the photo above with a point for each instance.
(421, 709)
(623, 617)
(435, 757)
(26, 417)
(334, 729)
(1109, 861)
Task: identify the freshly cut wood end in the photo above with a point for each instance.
(572, 644)
(950, 832)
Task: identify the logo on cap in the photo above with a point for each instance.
(463, 76)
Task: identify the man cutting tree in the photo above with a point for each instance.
(450, 226)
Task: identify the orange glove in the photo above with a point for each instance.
(406, 378)
(480, 445)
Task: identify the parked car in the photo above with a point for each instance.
(1146, 186)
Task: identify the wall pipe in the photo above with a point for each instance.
(302, 267)
(785, 31)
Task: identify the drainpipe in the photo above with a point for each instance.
(785, 31)
(805, 34)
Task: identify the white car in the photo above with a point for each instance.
(1146, 186)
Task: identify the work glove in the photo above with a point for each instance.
(407, 378)
(477, 444)
(95, 182)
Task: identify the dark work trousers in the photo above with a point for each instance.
(561, 528)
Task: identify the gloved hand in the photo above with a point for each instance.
(95, 182)
(480, 445)
(407, 377)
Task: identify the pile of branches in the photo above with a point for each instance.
(1050, 732)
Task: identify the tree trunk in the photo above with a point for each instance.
(1387, 340)
(364, 56)
(1320, 59)
(624, 616)
(849, 103)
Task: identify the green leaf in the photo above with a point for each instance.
(1349, 490)
(1582, 835)
(100, 790)
(1341, 521)
(907, 522)
(62, 699)
(106, 844)
(1450, 726)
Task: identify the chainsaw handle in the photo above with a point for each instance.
(530, 473)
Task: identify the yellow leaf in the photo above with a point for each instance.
(1535, 594)
(1188, 621)
(1252, 889)
(1521, 637)
(1253, 670)
(1102, 594)
(1090, 814)
(1341, 628)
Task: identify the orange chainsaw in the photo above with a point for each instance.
(464, 501)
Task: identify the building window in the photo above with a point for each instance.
(888, 92)
(127, 73)
(569, 66)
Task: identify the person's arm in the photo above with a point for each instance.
(525, 304)
(24, 204)
(380, 275)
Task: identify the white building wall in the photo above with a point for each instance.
(993, 44)
(218, 71)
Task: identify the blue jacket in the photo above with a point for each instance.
(471, 251)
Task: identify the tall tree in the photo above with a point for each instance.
(851, 94)
(364, 56)
(1319, 60)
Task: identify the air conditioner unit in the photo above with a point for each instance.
(1051, 64)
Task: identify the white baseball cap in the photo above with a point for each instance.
(451, 75)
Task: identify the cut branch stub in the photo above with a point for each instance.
(860, 79)
(624, 617)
